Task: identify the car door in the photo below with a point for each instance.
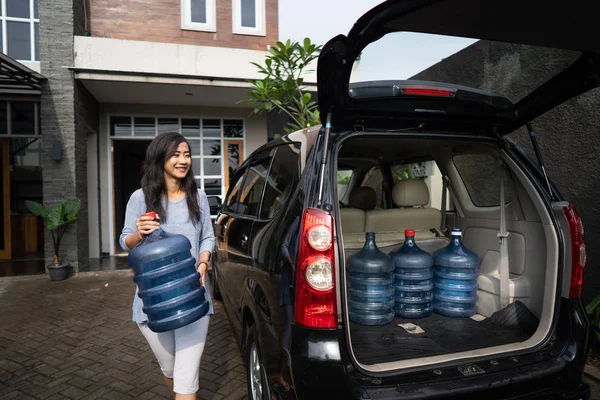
(234, 229)
(573, 28)
(270, 277)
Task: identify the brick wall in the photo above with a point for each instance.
(68, 114)
(160, 21)
(569, 135)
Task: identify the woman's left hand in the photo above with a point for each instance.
(201, 268)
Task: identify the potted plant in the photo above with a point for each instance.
(57, 221)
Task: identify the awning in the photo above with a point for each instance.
(17, 79)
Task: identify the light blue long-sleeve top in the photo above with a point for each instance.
(201, 236)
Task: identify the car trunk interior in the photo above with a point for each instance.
(475, 169)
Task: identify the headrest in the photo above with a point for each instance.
(363, 198)
(410, 192)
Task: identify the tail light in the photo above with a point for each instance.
(315, 285)
(578, 253)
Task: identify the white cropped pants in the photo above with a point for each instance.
(178, 353)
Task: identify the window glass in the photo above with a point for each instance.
(198, 15)
(211, 147)
(37, 41)
(249, 17)
(248, 13)
(212, 166)
(22, 118)
(198, 11)
(144, 126)
(190, 128)
(211, 128)
(344, 177)
(481, 174)
(120, 126)
(232, 204)
(374, 179)
(233, 128)
(3, 118)
(283, 175)
(212, 186)
(17, 8)
(196, 165)
(254, 184)
(168, 125)
(19, 40)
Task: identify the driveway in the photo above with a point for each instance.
(74, 339)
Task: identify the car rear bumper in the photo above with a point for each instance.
(322, 370)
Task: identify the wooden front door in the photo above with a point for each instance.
(5, 243)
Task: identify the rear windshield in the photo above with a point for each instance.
(505, 69)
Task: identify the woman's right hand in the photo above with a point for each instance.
(146, 224)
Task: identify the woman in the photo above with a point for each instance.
(169, 189)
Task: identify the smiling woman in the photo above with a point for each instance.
(169, 189)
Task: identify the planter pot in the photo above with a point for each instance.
(59, 273)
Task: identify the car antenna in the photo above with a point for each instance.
(538, 154)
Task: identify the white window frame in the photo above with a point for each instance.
(261, 24)
(211, 17)
(31, 21)
(113, 235)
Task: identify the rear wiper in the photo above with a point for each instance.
(540, 160)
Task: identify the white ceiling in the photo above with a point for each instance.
(165, 93)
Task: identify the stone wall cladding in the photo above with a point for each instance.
(569, 135)
(68, 114)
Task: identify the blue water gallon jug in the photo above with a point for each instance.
(370, 282)
(168, 282)
(455, 279)
(413, 279)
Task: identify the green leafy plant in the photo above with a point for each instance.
(57, 220)
(343, 180)
(593, 310)
(282, 89)
(402, 172)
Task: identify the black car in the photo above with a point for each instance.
(427, 157)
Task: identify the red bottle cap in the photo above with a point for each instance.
(409, 232)
(150, 214)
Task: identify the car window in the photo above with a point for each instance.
(374, 179)
(252, 189)
(232, 204)
(344, 177)
(283, 176)
(481, 175)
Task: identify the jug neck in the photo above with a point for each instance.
(456, 238)
(158, 234)
(409, 237)
(370, 241)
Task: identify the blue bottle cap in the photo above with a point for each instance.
(456, 232)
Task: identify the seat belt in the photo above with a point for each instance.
(445, 182)
(502, 237)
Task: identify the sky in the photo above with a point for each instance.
(395, 56)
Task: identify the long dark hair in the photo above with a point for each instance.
(159, 151)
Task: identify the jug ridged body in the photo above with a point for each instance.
(370, 285)
(168, 282)
(455, 279)
(413, 279)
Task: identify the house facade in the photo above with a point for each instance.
(115, 75)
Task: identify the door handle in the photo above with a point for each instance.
(244, 241)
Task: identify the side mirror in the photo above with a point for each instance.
(214, 202)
